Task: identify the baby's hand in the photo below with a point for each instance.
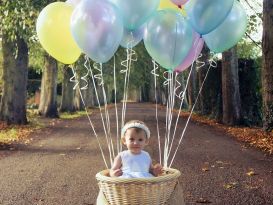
(115, 173)
(157, 170)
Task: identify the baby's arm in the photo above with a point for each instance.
(156, 169)
(115, 171)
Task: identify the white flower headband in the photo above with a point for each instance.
(136, 125)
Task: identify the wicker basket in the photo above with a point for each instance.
(144, 191)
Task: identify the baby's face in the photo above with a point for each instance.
(135, 141)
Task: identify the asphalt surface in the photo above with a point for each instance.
(58, 167)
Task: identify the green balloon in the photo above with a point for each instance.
(168, 38)
(229, 32)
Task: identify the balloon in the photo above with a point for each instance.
(53, 30)
(168, 38)
(73, 3)
(206, 15)
(229, 32)
(97, 28)
(179, 2)
(132, 37)
(167, 4)
(135, 13)
(196, 48)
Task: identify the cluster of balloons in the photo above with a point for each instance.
(173, 31)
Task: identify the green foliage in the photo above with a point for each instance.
(9, 135)
(250, 91)
(18, 18)
(68, 115)
(248, 50)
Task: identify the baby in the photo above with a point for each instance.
(134, 162)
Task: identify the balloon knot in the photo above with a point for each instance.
(180, 6)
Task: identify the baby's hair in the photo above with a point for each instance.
(137, 129)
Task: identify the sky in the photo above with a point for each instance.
(252, 7)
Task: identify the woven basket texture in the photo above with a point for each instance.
(144, 191)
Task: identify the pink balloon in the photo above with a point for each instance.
(74, 3)
(179, 2)
(196, 48)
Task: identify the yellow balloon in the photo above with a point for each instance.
(167, 4)
(53, 29)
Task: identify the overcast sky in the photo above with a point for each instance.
(255, 6)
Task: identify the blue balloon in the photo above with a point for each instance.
(206, 15)
(229, 32)
(97, 28)
(136, 12)
(168, 38)
(132, 37)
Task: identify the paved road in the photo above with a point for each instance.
(59, 166)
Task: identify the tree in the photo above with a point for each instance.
(67, 91)
(230, 88)
(14, 28)
(267, 74)
(17, 24)
(13, 101)
(48, 102)
(204, 101)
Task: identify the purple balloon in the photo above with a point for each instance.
(196, 48)
(97, 28)
(179, 2)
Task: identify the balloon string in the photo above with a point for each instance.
(153, 72)
(106, 112)
(131, 56)
(212, 64)
(169, 114)
(99, 77)
(172, 94)
(117, 118)
(183, 94)
(74, 79)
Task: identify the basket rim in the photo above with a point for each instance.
(173, 174)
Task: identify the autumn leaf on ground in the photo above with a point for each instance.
(251, 173)
(203, 201)
(205, 169)
(231, 185)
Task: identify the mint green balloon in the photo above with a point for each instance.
(136, 12)
(227, 34)
(168, 38)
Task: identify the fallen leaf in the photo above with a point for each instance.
(231, 185)
(203, 201)
(251, 173)
(205, 169)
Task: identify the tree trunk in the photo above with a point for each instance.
(204, 100)
(48, 101)
(230, 88)
(67, 104)
(13, 102)
(89, 94)
(267, 74)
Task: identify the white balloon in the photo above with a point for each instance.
(73, 2)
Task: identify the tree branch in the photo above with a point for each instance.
(258, 44)
(256, 13)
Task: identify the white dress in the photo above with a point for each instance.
(135, 165)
